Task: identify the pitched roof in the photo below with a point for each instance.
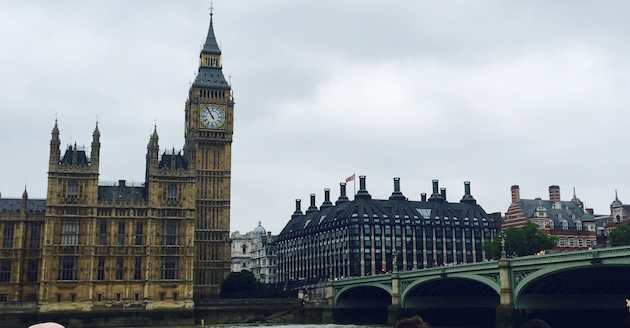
(37, 206)
(569, 211)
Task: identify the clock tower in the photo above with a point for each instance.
(208, 131)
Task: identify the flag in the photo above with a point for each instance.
(350, 178)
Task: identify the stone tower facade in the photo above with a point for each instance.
(160, 244)
(108, 247)
(209, 126)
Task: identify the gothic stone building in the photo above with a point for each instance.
(162, 244)
(366, 236)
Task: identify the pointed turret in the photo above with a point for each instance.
(153, 149)
(55, 144)
(96, 146)
(211, 46)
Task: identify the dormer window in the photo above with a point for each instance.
(578, 225)
(565, 224)
(551, 224)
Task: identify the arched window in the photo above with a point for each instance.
(551, 224)
(565, 225)
(244, 249)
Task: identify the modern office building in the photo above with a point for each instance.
(365, 236)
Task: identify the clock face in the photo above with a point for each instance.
(212, 117)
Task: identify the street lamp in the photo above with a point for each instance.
(502, 236)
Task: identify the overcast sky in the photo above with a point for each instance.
(498, 93)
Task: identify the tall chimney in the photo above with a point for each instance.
(342, 194)
(468, 198)
(436, 196)
(362, 193)
(313, 207)
(298, 208)
(397, 194)
(435, 188)
(327, 202)
(443, 193)
(554, 194)
(516, 194)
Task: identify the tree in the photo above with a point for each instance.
(527, 240)
(242, 285)
(620, 236)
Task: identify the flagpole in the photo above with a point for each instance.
(354, 175)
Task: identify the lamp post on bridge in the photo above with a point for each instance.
(502, 236)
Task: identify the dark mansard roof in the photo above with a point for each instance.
(396, 210)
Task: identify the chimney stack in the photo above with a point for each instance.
(423, 197)
(342, 194)
(327, 202)
(554, 194)
(362, 193)
(298, 208)
(516, 194)
(397, 194)
(443, 193)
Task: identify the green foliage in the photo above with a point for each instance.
(527, 240)
(242, 285)
(620, 236)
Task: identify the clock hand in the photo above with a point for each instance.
(211, 115)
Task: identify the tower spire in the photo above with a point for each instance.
(211, 46)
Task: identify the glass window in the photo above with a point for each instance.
(102, 235)
(172, 194)
(5, 271)
(119, 268)
(169, 267)
(70, 232)
(139, 233)
(36, 233)
(121, 233)
(32, 271)
(67, 268)
(170, 233)
(73, 191)
(100, 271)
(7, 240)
(137, 269)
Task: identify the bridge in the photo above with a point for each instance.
(508, 289)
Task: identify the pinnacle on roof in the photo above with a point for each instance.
(96, 133)
(55, 131)
(211, 46)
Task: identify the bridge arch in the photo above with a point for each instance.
(555, 286)
(407, 288)
(366, 289)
